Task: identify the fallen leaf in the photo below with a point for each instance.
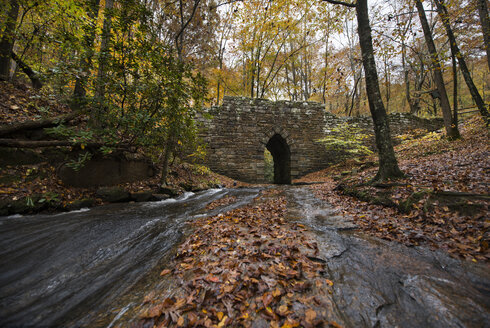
(165, 272)
(310, 316)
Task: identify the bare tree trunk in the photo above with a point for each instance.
(455, 89)
(104, 58)
(388, 165)
(406, 79)
(86, 61)
(451, 131)
(443, 14)
(8, 40)
(166, 158)
(485, 26)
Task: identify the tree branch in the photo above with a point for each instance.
(224, 3)
(336, 2)
(17, 143)
(31, 125)
(36, 83)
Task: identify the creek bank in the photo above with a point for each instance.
(35, 181)
(105, 195)
(443, 201)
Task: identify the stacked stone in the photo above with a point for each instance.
(238, 131)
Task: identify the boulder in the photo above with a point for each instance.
(106, 172)
(143, 196)
(113, 194)
(172, 192)
(80, 203)
(161, 196)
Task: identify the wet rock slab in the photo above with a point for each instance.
(384, 284)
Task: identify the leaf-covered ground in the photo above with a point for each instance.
(443, 202)
(247, 267)
(20, 103)
(21, 182)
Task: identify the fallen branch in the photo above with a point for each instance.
(36, 83)
(16, 143)
(461, 194)
(37, 124)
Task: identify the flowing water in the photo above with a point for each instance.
(58, 270)
(92, 267)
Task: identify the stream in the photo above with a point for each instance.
(63, 269)
(88, 267)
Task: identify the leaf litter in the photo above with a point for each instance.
(248, 267)
(447, 186)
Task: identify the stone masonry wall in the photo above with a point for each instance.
(238, 131)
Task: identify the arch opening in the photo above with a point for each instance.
(281, 154)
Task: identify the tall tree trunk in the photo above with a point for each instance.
(86, 61)
(104, 50)
(406, 80)
(485, 26)
(104, 57)
(451, 131)
(388, 165)
(166, 158)
(455, 89)
(8, 40)
(443, 14)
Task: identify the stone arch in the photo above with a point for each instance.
(281, 154)
(266, 136)
(238, 131)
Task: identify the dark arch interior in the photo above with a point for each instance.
(281, 154)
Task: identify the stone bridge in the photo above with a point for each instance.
(241, 129)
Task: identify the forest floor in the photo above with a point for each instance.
(23, 186)
(443, 202)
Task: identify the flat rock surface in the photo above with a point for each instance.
(384, 284)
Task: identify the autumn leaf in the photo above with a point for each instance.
(267, 299)
(290, 323)
(310, 316)
(165, 272)
(212, 278)
(276, 292)
(283, 310)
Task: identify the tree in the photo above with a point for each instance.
(388, 165)
(443, 14)
(79, 92)
(452, 131)
(104, 55)
(8, 40)
(485, 26)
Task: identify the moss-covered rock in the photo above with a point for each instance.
(81, 203)
(143, 196)
(407, 205)
(113, 194)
